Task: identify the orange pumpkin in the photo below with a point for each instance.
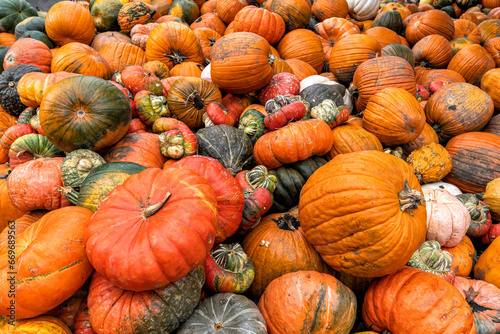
(119, 55)
(325, 9)
(467, 29)
(140, 33)
(394, 6)
(489, 29)
(472, 62)
(103, 38)
(458, 44)
(7, 39)
(304, 45)
(41, 325)
(9, 211)
(208, 7)
(383, 35)
(469, 17)
(209, 20)
(432, 51)
(295, 13)
(6, 121)
(429, 23)
(136, 12)
(261, 22)
(68, 22)
(187, 69)
(227, 9)
(463, 256)
(425, 77)
(157, 68)
(492, 46)
(139, 147)
(332, 30)
(487, 267)
(29, 51)
(80, 58)
(207, 38)
(490, 84)
(426, 137)
(300, 68)
(347, 139)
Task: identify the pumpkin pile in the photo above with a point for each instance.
(250, 166)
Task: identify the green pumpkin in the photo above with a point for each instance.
(101, 180)
(252, 123)
(389, 19)
(399, 50)
(449, 10)
(105, 14)
(439, 4)
(30, 147)
(480, 217)
(77, 165)
(14, 11)
(26, 116)
(39, 36)
(291, 179)
(9, 98)
(84, 112)
(31, 23)
(466, 4)
(187, 10)
(3, 52)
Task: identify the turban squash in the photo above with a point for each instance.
(153, 229)
(364, 213)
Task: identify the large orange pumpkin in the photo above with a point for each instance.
(383, 35)
(67, 22)
(426, 137)
(142, 148)
(472, 62)
(300, 68)
(240, 63)
(302, 44)
(261, 22)
(489, 29)
(80, 58)
(51, 263)
(432, 51)
(429, 23)
(493, 48)
(332, 30)
(364, 213)
(295, 13)
(487, 267)
(325, 9)
(119, 55)
(490, 83)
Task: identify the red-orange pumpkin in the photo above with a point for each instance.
(119, 55)
(261, 22)
(68, 22)
(142, 148)
(29, 51)
(80, 58)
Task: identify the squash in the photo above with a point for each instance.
(43, 325)
(389, 19)
(105, 14)
(426, 137)
(304, 45)
(187, 10)
(398, 50)
(67, 22)
(77, 165)
(429, 257)
(333, 211)
(12, 12)
(487, 267)
(363, 9)
(30, 147)
(433, 51)
(136, 12)
(9, 97)
(430, 163)
(472, 62)
(490, 86)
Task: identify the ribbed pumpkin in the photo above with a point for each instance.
(261, 22)
(379, 73)
(28, 51)
(491, 85)
(463, 256)
(383, 35)
(347, 139)
(458, 108)
(80, 58)
(350, 52)
(467, 29)
(489, 29)
(493, 48)
(136, 12)
(394, 116)
(426, 137)
(302, 44)
(487, 267)
(9, 211)
(68, 21)
(227, 9)
(187, 69)
(172, 43)
(432, 51)
(472, 62)
(207, 38)
(300, 68)
(295, 13)
(425, 77)
(340, 212)
(287, 304)
(332, 30)
(277, 246)
(30, 147)
(142, 148)
(211, 21)
(325, 9)
(103, 38)
(242, 69)
(493, 125)
(70, 107)
(119, 55)
(475, 160)
(430, 23)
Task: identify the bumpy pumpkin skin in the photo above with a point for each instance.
(308, 302)
(430, 163)
(413, 300)
(39, 325)
(75, 104)
(487, 267)
(51, 262)
(350, 206)
(174, 231)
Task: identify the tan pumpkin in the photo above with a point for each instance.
(447, 218)
(430, 163)
(140, 32)
(472, 62)
(103, 38)
(80, 58)
(304, 45)
(119, 55)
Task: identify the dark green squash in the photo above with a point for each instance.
(465, 4)
(105, 14)
(146, 312)
(31, 23)
(225, 313)
(317, 93)
(84, 112)
(399, 50)
(9, 98)
(390, 19)
(77, 165)
(439, 4)
(39, 36)
(100, 181)
(26, 115)
(291, 179)
(227, 144)
(312, 23)
(252, 123)
(30, 147)
(3, 52)
(449, 10)
(14, 11)
(187, 10)
(480, 222)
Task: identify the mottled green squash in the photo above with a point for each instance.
(13, 12)
(31, 23)
(105, 14)
(30, 147)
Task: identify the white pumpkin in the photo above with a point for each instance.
(205, 74)
(363, 10)
(443, 186)
(312, 80)
(319, 79)
(447, 218)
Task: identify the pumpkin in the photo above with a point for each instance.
(429, 308)
(376, 74)
(299, 290)
(348, 239)
(489, 29)
(207, 38)
(325, 9)
(187, 69)
(186, 10)
(463, 256)
(429, 257)
(225, 312)
(12, 12)
(9, 97)
(149, 197)
(28, 51)
(491, 197)
(173, 43)
(14, 132)
(41, 177)
(42, 284)
(7, 40)
(493, 126)
(226, 63)
(9, 211)
(486, 267)
(69, 107)
(113, 310)
(119, 55)
(471, 171)
(141, 147)
(68, 22)
(362, 9)
(136, 12)
(467, 29)
(138, 78)
(277, 246)
(432, 51)
(472, 62)
(383, 35)
(296, 13)
(140, 32)
(30, 147)
(77, 165)
(347, 139)
(458, 44)
(433, 22)
(43, 325)
(300, 68)
(426, 77)
(389, 19)
(349, 53)
(493, 48)
(489, 85)
(304, 45)
(105, 14)
(103, 38)
(211, 21)
(80, 58)
(208, 7)
(230, 146)
(261, 22)
(450, 110)
(398, 50)
(228, 269)
(430, 163)
(426, 137)
(479, 213)
(394, 116)
(157, 68)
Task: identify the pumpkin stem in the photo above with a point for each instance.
(212, 41)
(410, 199)
(218, 326)
(287, 222)
(152, 209)
(479, 196)
(4, 177)
(177, 57)
(424, 63)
